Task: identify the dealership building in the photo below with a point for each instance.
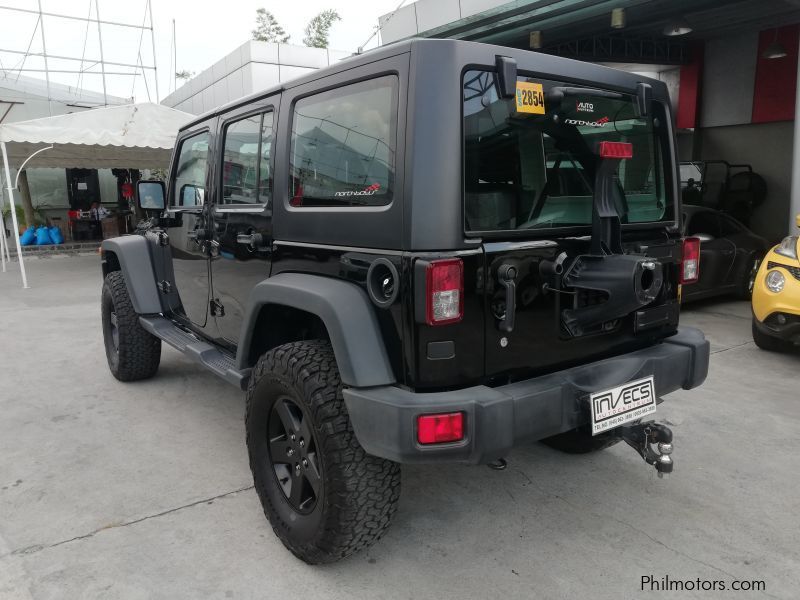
(730, 66)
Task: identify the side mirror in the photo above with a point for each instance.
(150, 195)
(704, 237)
(191, 195)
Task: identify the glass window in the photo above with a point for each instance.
(704, 222)
(265, 169)
(729, 226)
(190, 172)
(536, 169)
(343, 146)
(242, 158)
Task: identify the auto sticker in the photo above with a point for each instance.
(530, 97)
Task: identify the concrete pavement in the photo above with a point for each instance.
(111, 490)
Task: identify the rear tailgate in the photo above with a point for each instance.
(532, 173)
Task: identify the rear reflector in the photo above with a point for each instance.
(690, 264)
(440, 428)
(444, 281)
(615, 150)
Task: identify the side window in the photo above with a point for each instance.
(729, 226)
(265, 171)
(343, 145)
(190, 172)
(245, 160)
(704, 222)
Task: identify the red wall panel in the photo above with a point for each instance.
(689, 89)
(776, 78)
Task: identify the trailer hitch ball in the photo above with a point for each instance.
(642, 437)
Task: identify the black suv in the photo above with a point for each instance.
(427, 253)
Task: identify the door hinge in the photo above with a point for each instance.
(165, 286)
(216, 308)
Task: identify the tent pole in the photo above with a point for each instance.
(3, 250)
(14, 215)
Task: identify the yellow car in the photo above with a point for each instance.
(776, 297)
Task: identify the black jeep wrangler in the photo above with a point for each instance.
(427, 253)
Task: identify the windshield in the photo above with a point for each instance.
(530, 161)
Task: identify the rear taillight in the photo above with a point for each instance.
(690, 264)
(615, 150)
(440, 428)
(444, 291)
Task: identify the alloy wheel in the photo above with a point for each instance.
(293, 454)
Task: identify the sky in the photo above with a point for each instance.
(205, 31)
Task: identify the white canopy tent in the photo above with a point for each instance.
(133, 136)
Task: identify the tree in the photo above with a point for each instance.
(268, 29)
(319, 28)
(184, 75)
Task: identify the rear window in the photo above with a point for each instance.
(532, 170)
(343, 146)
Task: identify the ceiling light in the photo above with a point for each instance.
(535, 41)
(618, 18)
(677, 27)
(775, 49)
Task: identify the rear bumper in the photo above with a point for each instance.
(384, 418)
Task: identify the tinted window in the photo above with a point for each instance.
(528, 169)
(704, 222)
(729, 226)
(190, 172)
(245, 161)
(343, 146)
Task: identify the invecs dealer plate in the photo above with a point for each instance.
(622, 404)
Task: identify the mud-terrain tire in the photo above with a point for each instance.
(324, 496)
(580, 441)
(132, 352)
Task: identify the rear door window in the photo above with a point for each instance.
(343, 144)
(246, 175)
(535, 168)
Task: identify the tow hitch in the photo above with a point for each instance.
(642, 436)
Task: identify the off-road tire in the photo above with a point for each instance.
(580, 441)
(137, 352)
(359, 492)
(767, 342)
(746, 281)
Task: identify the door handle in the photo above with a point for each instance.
(199, 235)
(507, 275)
(253, 241)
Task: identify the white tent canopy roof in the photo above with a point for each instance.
(132, 136)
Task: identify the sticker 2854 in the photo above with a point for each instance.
(530, 97)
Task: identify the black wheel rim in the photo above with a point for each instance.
(293, 454)
(113, 329)
(751, 278)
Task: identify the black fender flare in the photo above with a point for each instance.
(133, 255)
(348, 316)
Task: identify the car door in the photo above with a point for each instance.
(186, 226)
(241, 213)
(717, 253)
(738, 235)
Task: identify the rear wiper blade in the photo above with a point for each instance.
(558, 93)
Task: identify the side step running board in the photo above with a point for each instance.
(216, 361)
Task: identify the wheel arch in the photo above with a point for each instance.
(131, 255)
(289, 306)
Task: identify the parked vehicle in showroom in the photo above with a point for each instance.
(730, 254)
(776, 297)
(408, 279)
